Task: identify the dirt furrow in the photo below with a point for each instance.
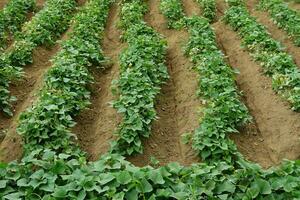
(25, 91)
(177, 103)
(191, 7)
(274, 135)
(278, 34)
(96, 125)
(294, 5)
(3, 3)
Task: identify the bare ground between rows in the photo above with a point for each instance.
(25, 91)
(278, 34)
(96, 125)
(176, 105)
(294, 5)
(191, 7)
(274, 134)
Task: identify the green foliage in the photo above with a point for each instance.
(224, 111)
(47, 123)
(47, 172)
(235, 2)
(12, 16)
(208, 9)
(142, 72)
(44, 28)
(172, 10)
(284, 17)
(68, 176)
(268, 52)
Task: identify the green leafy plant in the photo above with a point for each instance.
(44, 28)
(142, 72)
(268, 52)
(224, 111)
(208, 9)
(12, 16)
(172, 9)
(47, 172)
(284, 17)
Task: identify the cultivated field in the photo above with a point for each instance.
(149, 99)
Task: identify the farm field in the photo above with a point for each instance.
(149, 99)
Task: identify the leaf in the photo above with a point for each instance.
(13, 196)
(132, 195)
(225, 187)
(3, 183)
(124, 177)
(264, 186)
(156, 177)
(106, 178)
(144, 186)
(60, 192)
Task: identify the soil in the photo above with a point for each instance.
(25, 91)
(190, 7)
(3, 3)
(96, 125)
(278, 34)
(294, 5)
(177, 105)
(274, 121)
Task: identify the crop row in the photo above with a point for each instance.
(13, 15)
(268, 52)
(52, 174)
(173, 11)
(142, 71)
(224, 111)
(48, 143)
(284, 17)
(47, 123)
(208, 9)
(44, 28)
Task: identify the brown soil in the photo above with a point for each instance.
(294, 5)
(191, 7)
(177, 103)
(278, 34)
(274, 135)
(3, 3)
(96, 125)
(40, 3)
(25, 91)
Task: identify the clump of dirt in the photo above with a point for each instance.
(96, 125)
(177, 104)
(274, 135)
(278, 34)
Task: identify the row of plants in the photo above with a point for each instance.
(209, 9)
(43, 29)
(59, 176)
(224, 111)
(268, 52)
(284, 17)
(49, 146)
(142, 71)
(46, 124)
(50, 174)
(12, 16)
(173, 11)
